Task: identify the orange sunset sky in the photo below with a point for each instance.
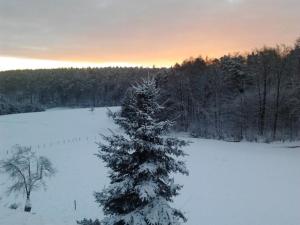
(81, 33)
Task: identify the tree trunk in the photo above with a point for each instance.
(259, 108)
(276, 107)
(263, 111)
(27, 204)
(242, 122)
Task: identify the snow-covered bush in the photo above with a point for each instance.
(13, 206)
(7, 107)
(88, 222)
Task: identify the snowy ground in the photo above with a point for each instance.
(229, 183)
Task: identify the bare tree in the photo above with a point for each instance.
(280, 78)
(26, 171)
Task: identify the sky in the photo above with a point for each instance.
(80, 33)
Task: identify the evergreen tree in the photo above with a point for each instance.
(141, 162)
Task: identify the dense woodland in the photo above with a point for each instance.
(255, 96)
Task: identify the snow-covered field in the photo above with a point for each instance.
(229, 183)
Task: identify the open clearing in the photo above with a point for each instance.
(229, 183)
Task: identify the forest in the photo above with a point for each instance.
(253, 96)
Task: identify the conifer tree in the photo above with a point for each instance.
(141, 163)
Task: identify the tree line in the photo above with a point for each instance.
(69, 86)
(254, 96)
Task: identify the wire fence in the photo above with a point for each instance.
(61, 142)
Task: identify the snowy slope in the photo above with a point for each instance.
(229, 183)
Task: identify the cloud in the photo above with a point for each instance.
(234, 1)
(141, 30)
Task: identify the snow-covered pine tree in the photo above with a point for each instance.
(141, 163)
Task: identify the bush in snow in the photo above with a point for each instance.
(26, 171)
(88, 222)
(141, 162)
(7, 107)
(13, 206)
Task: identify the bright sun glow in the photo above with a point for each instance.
(12, 63)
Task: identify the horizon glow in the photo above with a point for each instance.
(98, 33)
(14, 63)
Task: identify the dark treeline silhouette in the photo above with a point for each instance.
(69, 87)
(255, 96)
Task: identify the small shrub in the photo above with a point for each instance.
(13, 206)
(88, 222)
(7, 107)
